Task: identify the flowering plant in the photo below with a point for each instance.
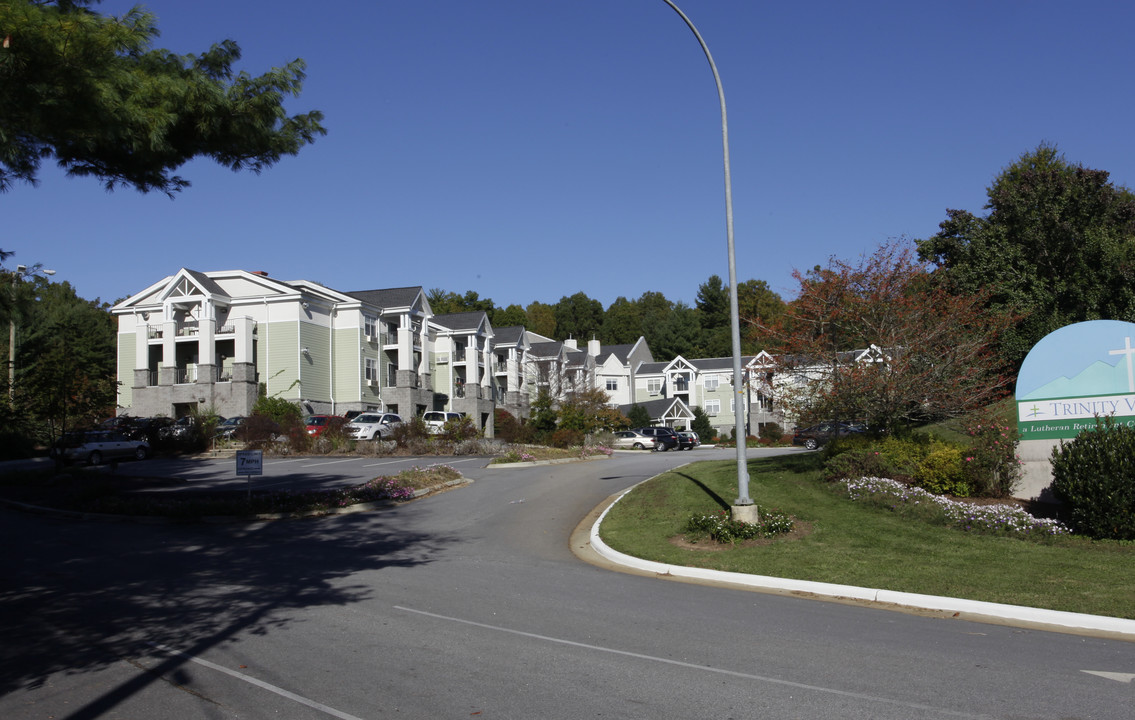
(988, 519)
(991, 464)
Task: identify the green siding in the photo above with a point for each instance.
(348, 364)
(279, 348)
(315, 365)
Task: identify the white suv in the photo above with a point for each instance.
(373, 426)
(435, 419)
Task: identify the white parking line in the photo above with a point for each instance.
(922, 709)
(388, 462)
(258, 683)
(329, 462)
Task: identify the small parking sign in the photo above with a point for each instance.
(249, 462)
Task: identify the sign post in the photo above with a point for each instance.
(249, 463)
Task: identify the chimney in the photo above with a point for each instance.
(571, 343)
(593, 347)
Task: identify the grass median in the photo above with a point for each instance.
(850, 543)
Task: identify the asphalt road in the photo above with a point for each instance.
(470, 603)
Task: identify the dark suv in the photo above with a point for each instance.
(817, 435)
(667, 438)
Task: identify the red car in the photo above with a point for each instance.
(316, 424)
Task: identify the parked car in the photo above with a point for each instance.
(667, 438)
(183, 426)
(229, 428)
(435, 420)
(635, 440)
(352, 414)
(688, 440)
(150, 429)
(316, 425)
(95, 446)
(373, 426)
(817, 435)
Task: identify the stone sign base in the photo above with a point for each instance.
(1036, 479)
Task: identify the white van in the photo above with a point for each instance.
(434, 419)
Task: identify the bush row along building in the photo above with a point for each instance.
(218, 339)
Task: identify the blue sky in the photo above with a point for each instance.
(529, 149)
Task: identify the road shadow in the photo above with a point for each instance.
(78, 596)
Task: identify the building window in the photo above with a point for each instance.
(711, 382)
(654, 386)
(371, 369)
(370, 326)
(712, 407)
(612, 384)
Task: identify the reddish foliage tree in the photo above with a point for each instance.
(883, 341)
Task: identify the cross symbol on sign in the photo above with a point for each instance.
(1129, 352)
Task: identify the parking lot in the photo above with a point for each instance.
(282, 473)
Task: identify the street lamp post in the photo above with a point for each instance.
(743, 507)
(21, 271)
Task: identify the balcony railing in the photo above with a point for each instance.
(186, 375)
(388, 338)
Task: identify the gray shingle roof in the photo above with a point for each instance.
(508, 335)
(460, 321)
(390, 297)
(621, 353)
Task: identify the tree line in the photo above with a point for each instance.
(671, 328)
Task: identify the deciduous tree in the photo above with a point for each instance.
(1057, 247)
(91, 91)
(579, 317)
(936, 356)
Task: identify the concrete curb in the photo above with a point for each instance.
(1054, 620)
(536, 463)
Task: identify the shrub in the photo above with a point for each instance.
(410, 431)
(1094, 475)
(720, 527)
(992, 465)
(856, 463)
(773, 431)
(258, 431)
(459, 429)
(506, 427)
(283, 412)
(941, 472)
(565, 438)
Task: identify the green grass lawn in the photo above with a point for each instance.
(853, 543)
